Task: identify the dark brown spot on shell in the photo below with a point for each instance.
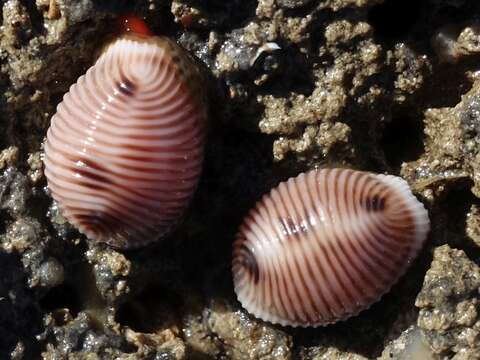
(126, 87)
(85, 171)
(91, 185)
(92, 164)
(375, 203)
(92, 221)
(249, 262)
(176, 59)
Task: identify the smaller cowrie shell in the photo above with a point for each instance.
(325, 245)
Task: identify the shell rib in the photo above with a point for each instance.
(124, 151)
(325, 245)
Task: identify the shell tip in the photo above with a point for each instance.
(419, 213)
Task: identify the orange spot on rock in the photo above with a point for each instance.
(187, 20)
(134, 24)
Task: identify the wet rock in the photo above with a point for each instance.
(35, 164)
(300, 120)
(324, 139)
(76, 339)
(235, 55)
(110, 269)
(321, 353)
(189, 16)
(292, 4)
(449, 306)
(14, 191)
(211, 13)
(411, 69)
(164, 345)
(473, 225)
(451, 146)
(411, 345)
(22, 234)
(452, 43)
(305, 83)
(51, 273)
(32, 260)
(8, 157)
(20, 319)
(63, 228)
(240, 336)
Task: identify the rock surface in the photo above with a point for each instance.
(379, 85)
(449, 304)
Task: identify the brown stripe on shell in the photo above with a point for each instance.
(327, 244)
(124, 151)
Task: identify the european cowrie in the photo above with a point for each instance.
(124, 151)
(325, 245)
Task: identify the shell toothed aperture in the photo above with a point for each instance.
(124, 151)
(323, 246)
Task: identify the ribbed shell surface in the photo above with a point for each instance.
(124, 151)
(325, 245)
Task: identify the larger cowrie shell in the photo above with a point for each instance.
(124, 151)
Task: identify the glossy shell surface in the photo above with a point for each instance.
(124, 151)
(325, 245)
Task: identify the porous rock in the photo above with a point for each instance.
(296, 84)
(449, 304)
(238, 334)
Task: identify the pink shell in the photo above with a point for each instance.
(325, 245)
(124, 151)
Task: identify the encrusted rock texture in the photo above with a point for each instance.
(380, 85)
